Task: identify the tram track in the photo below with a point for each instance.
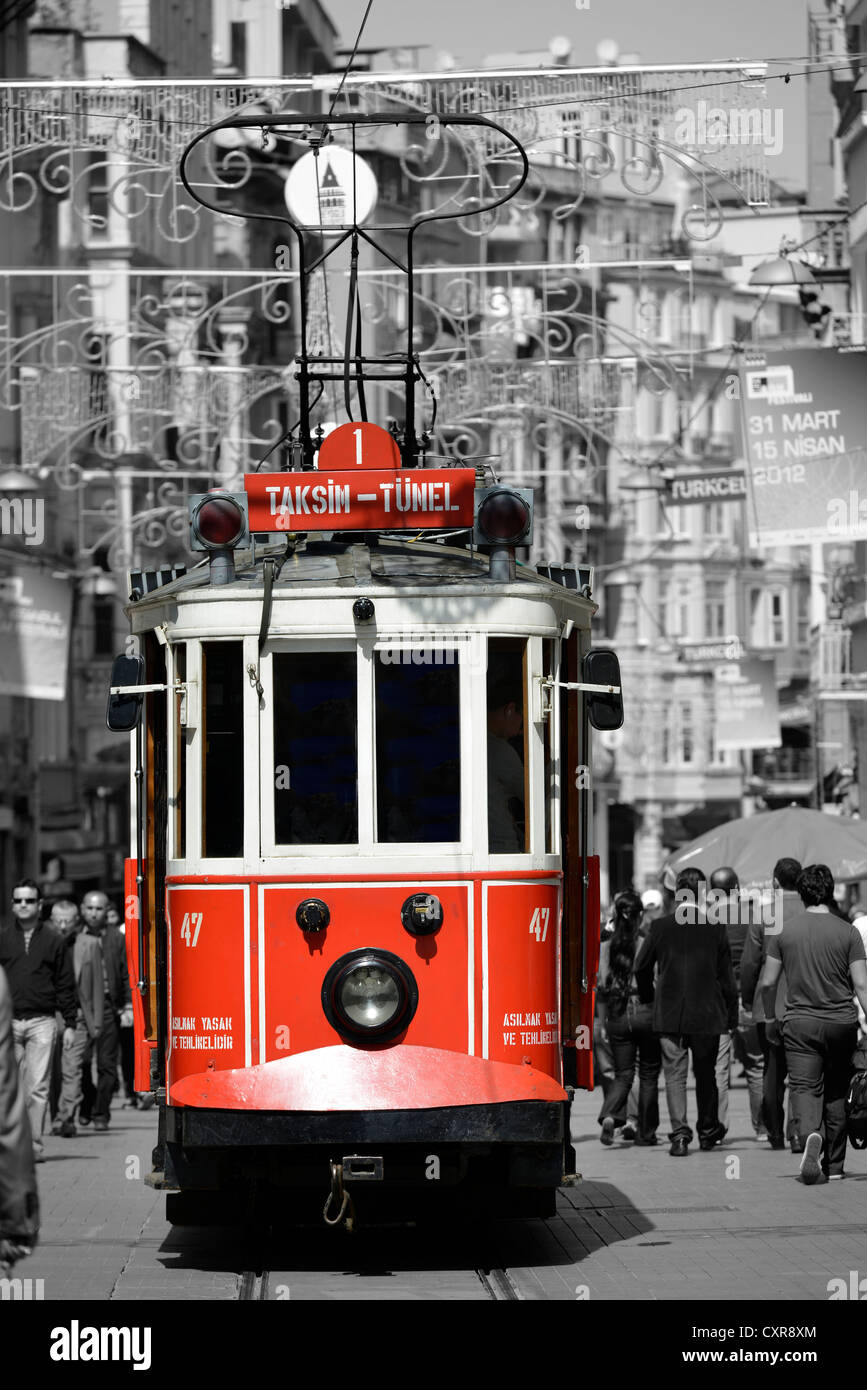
(274, 1286)
(499, 1285)
(383, 1265)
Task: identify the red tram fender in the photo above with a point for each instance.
(348, 1078)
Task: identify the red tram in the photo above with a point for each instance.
(361, 904)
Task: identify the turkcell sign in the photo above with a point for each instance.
(724, 485)
(419, 499)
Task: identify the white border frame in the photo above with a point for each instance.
(248, 1020)
(315, 886)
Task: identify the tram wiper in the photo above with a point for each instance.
(273, 564)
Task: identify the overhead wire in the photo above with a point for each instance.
(348, 67)
(291, 430)
(815, 65)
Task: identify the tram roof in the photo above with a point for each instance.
(348, 562)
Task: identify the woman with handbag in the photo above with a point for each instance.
(627, 1025)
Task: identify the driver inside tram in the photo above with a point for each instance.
(505, 769)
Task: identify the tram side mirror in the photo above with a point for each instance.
(124, 711)
(605, 712)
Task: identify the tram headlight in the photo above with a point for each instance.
(369, 994)
(504, 516)
(218, 520)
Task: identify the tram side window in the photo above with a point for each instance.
(223, 771)
(315, 748)
(418, 746)
(508, 826)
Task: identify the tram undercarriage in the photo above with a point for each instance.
(241, 1165)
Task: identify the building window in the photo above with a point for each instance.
(769, 619)
(663, 599)
(97, 193)
(754, 600)
(687, 733)
(713, 518)
(802, 615)
(779, 635)
(679, 623)
(103, 625)
(238, 39)
(715, 608)
(720, 757)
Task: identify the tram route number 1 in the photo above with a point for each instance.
(539, 923)
(191, 926)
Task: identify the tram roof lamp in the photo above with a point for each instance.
(782, 271)
(218, 525)
(504, 516)
(218, 522)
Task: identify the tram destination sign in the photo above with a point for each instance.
(418, 499)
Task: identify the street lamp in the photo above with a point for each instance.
(782, 271)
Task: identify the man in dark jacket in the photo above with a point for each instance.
(19, 1199)
(736, 911)
(695, 1001)
(787, 903)
(41, 981)
(96, 1102)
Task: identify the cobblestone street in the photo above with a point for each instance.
(733, 1224)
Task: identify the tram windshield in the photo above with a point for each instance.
(315, 748)
(418, 770)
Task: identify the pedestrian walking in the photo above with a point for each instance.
(64, 918)
(786, 903)
(84, 949)
(825, 962)
(96, 1101)
(653, 905)
(629, 1025)
(19, 1198)
(114, 921)
(39, 971)
(54, 885)
(695, 1001)
(734, 911)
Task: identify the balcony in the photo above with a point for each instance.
(784, 774)
(826, 234)
(830, 655)
(784, 764)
